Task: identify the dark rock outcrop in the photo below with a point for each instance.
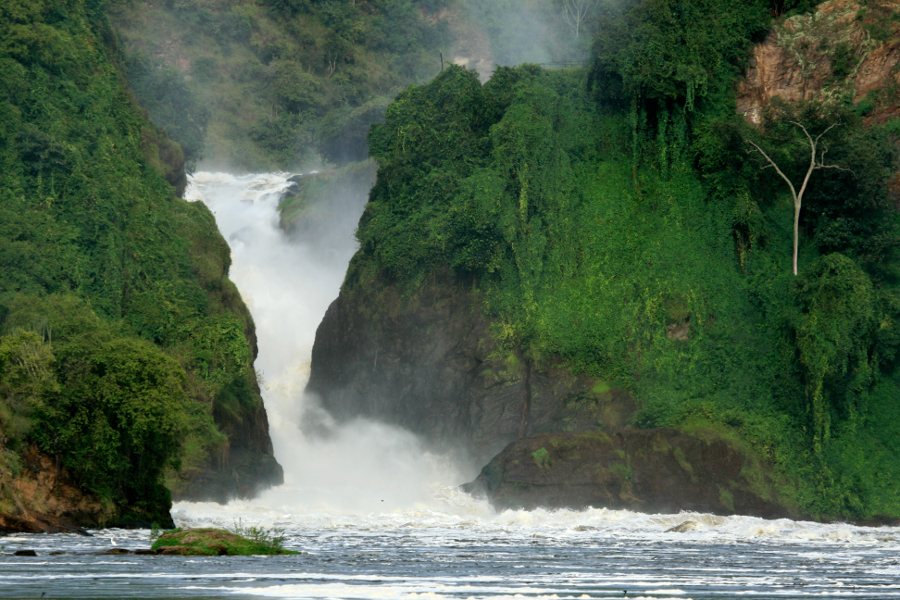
(655, 471)
(432, 364)
(246, 467)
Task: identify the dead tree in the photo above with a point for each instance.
(816, 161)
(575, 12)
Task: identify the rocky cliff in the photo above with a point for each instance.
(42, 498)
(654, 470)
(245, 466)
(431, 363)
(845, 49)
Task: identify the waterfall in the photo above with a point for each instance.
(288, 283)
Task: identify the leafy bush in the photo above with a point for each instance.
(26, 377)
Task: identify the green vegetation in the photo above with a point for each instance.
(282, 84)
(120, 337)
(611, 217)
(219, 542)
(541, 458)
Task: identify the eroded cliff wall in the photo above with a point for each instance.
(430, 363)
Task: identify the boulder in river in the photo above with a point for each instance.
(651, 471)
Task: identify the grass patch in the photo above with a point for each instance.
(219, 542)
(542, 458)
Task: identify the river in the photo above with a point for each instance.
(377, 516)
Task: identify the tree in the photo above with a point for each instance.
(575, 12)
(816, 161)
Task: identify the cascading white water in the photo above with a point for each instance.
(287, 285)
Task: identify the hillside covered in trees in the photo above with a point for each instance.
(614, 231)
(125, 352)
(277, 84)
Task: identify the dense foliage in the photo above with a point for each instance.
(120, 336)
(615, 218)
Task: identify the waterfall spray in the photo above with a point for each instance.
(288, 284)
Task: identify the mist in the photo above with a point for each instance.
(512, 32)
(288, 282)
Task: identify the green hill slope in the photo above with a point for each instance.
(127, 353)
(611, 222)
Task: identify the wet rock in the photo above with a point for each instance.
(182, 551)
(145, 551)
(430, 364)
(24, 553)
(114, 551)
(651, 471)
(40, 522)
(684, 527)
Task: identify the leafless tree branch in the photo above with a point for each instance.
(815, 162)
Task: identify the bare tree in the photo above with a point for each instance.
(816, 161)
(575, 12)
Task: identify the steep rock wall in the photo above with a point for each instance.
(42, 498)
(654, 470)
(841, 50)
(430, 363)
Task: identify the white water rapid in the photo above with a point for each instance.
(376, 517)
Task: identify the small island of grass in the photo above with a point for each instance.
(219, 542)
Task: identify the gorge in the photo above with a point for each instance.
(565, 286)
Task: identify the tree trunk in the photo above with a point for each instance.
(796, 232)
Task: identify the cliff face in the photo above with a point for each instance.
(431, 364)
(841, 50)
(245, 466)
(41, 498)
(581, 242)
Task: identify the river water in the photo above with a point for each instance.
(376, 516)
